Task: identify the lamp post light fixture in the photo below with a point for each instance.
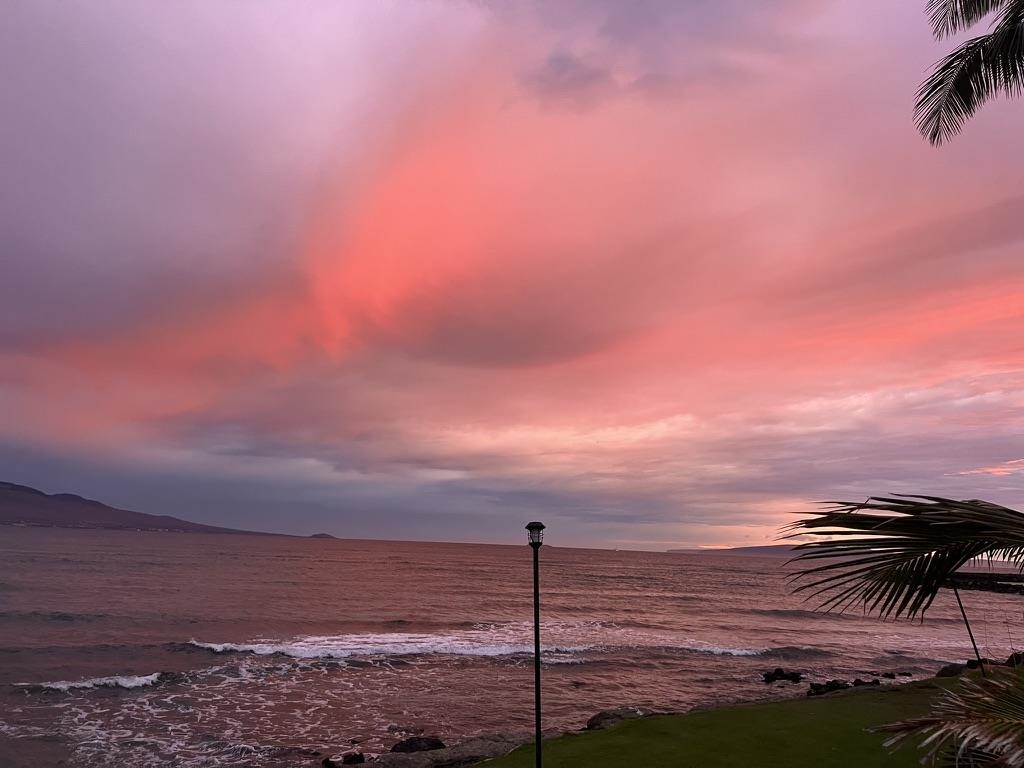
(536, 537)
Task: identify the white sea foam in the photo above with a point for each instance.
(118, 681)
(713, 649)
(469, 643)
(564, 642)
(23, 731)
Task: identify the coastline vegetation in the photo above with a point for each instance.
(832, 730)
(892, 556)
(977, 70)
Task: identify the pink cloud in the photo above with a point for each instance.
(670, 299)
(1011, 467)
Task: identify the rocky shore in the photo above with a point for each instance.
(429, 752)
(414, 749)
(462, 755)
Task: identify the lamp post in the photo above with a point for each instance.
(536, 537)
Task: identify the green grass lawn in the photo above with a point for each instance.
(813, 732)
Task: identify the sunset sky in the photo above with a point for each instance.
(657, 273)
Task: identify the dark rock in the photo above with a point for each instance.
(780, 674)
(951, 670)
(328, 763)
(353, 758)
(974, 663)
(1015, 659)
(905, 674)
(460, 756)
(889, 675)
(858, 682)
(609, 717)
(418, 744)
(817, 689)
(1006, 583)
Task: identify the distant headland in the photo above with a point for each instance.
(769, 550)
(25, 506)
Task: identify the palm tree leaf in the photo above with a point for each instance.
(892, 555)
(971, 75)
(980, 723)
(948, 17)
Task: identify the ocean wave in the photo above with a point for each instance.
(800, 613)
(562, 642)
(392, 644)
(823, 615)
(350, 646)
(561, 659)
(63, 616)
(699, 647)
(798, 652)
(717, 651)
(693, 646)
(126, 682)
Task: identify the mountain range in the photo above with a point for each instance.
(22, 505)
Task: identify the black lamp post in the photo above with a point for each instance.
(536, 534)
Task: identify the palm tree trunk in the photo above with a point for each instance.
(970, 634)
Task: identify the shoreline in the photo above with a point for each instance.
(483, 749)
(45, 751)
(49, 751)
(479, 749)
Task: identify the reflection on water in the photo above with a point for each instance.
(157, 649)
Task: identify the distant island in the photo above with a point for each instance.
(321, 536)
(770, 550)
(25, 506)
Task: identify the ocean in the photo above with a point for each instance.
(163, 649)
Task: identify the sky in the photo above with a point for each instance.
(658, 274)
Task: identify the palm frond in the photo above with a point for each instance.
(948, 17)
(971, 75)
(892, 555)
(979, 724)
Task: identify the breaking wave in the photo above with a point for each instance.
(564, 644)
(126, 682)
(390, 644)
